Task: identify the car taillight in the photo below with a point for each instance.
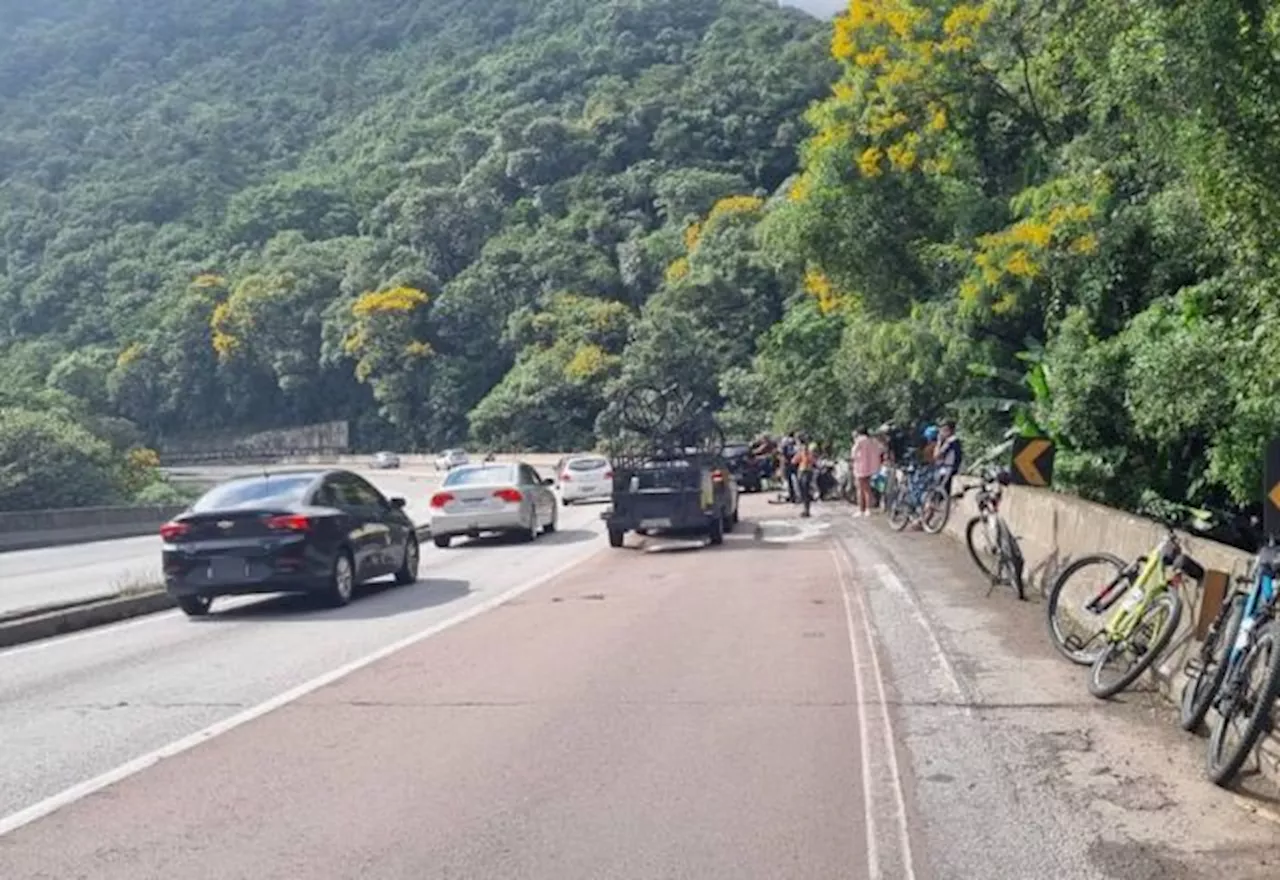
(289, 522)
(511, 496)
(172, 530)
(440, 499)
(565, 478)
(608, 475)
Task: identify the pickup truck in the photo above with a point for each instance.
(694, 493)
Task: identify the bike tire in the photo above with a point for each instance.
(1198, 693)
(942, 502)
(1012, 554)
(1169, 598)
(1223, 773)
(1056, 633)
(899, 515)
(970, 531)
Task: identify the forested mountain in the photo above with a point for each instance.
(253, 213)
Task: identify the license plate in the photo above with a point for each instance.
(661, 523)
(227, 568)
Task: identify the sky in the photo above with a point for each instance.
(820, 8)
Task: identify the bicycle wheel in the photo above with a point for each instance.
(1144, 645)
(1224, 760)
(1011, 555)
(935, 511)
(986, 557)
(1075, 630)
(1198, 692)
(899, 513)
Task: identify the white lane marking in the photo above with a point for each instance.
(890, 742)
(864, 737)
(69, 796)
(891, 581)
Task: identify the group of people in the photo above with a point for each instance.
(874, 457)
(795, 460)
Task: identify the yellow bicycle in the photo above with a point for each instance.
(1130, 619)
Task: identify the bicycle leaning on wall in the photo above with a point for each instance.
(991, 543)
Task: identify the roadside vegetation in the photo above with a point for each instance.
(453, 221)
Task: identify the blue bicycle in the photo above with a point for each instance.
(1238, 670)
(920, 496)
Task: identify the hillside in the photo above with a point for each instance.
(268, 212)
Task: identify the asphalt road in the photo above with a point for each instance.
(820, 699)
(53, 575)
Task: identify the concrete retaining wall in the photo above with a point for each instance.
(1052, 529)
(47, 528)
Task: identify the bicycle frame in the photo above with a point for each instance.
(1259, 606)
(1152, 580)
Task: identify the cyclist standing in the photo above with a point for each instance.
(950, 454)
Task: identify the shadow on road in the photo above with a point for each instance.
(372, 600)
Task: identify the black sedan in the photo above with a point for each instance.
(321, 532)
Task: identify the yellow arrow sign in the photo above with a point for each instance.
(1274, 495)
(1025, 462)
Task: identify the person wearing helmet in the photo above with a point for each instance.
(930, 447)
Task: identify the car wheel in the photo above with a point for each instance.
(442, 541)
(342, 581)
(408, 573)
(195, 606)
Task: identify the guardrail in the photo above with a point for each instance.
(23, 530)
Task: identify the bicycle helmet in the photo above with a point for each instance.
(931, 433)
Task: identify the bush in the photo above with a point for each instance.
(163, 492)
(49, 461)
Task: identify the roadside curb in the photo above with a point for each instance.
(47, 624)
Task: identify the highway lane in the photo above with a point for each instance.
(73, 707)
(813, 700)
(51, 575)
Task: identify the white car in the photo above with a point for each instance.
(485, 498)
(386, 461)
(585, 478)
(452, 458)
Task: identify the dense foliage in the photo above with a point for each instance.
(433, 218)
(1056, 215)
(450, 219)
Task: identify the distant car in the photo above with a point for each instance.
(452, 458)
(585, 478)
(386, 461)
(492, 498)
(320, 532)
(746, 468)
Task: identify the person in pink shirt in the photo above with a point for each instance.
(865, 459)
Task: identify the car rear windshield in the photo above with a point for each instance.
(588, 464)
(481, 476)
(255, 492)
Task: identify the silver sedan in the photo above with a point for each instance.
(485, 498)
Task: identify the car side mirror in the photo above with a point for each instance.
(397, 503)
(548, 481)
